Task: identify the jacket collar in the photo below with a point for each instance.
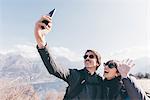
(86, 71)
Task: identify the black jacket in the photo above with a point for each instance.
(114, 89)
(90, 85)
(123, 89)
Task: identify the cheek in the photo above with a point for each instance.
(113, 73)
(94, 62)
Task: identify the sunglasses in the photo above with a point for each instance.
(110, 65)
(90, 56)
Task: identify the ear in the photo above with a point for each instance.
(97, 64)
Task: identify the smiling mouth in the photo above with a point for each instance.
(105, 71)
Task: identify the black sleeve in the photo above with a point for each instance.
(68, 75)
(134, 90)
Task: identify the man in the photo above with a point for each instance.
(82, 84)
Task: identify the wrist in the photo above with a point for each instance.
(124, 76)
(42, 45)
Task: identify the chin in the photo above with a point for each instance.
(89, 66)
(106, 76)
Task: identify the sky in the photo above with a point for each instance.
(115, 28)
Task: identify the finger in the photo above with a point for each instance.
(130, 62)
(46, 27)
(49, 19)
(119, 65)
(132, 65)
(47, 16)
(43, 24)
(127, 61)
(49, 25)
(123, 61)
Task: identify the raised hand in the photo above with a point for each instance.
(124, 67)
(41, 33)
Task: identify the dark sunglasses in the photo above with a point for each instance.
(110, 65)
(90, 56)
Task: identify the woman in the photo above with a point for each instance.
(118, 85)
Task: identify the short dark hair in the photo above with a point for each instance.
(98, 56)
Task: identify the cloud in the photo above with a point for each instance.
(132, 52)
(26, 50)
(30, 51)
(65, 52)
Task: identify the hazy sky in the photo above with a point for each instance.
(112, 27)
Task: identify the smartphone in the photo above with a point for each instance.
(50, 14)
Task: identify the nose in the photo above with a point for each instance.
(87, 59)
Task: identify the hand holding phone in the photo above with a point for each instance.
(45, 21)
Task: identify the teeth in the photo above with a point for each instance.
(105, 71)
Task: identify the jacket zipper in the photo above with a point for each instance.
(107, 93)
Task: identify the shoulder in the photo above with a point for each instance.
(74, 76)
(76, 72)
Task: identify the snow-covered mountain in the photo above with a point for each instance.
(15, 64)
(31, 69)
